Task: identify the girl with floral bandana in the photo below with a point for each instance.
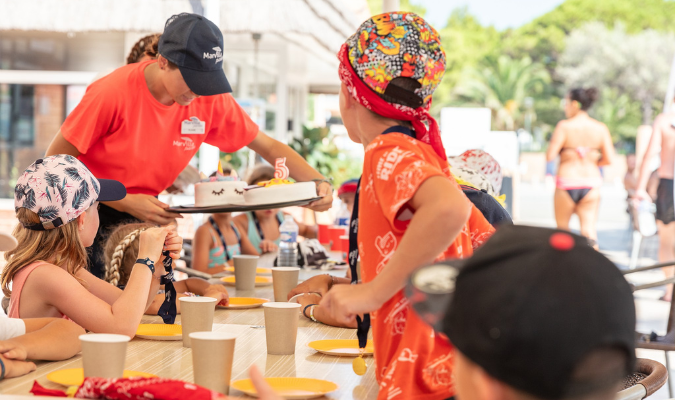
(56, 201)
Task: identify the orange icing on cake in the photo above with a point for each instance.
(275, 181)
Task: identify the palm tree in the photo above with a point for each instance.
(502, 84)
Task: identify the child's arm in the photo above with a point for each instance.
(307, 231)
(45, 339)
(247, 246)
(320, 313)
(201, 245)
(94, 314)
(441, 210)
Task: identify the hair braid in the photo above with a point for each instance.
(112, 274)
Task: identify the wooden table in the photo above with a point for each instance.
(169, 359)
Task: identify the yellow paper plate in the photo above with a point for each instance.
(244, 302)
(75, 376)
(341, 347)
(159, 332)
(259, 281)
(290, 388)
(262, 271)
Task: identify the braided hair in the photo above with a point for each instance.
(146, 46)
(120, 252)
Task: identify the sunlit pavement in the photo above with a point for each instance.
(614, 237)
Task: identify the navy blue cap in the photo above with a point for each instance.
(528, 306)
(195, 45)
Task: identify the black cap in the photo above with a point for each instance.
(195, 45)
(528, 307)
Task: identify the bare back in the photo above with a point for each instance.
(584, 144)
(666, 134)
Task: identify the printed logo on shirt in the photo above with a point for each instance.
(192, 126)
(186, 143)
(218, 55)
(389, 161)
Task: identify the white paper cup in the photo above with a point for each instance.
(284, 279)
(281, 327)
(245, 267)
(212, 354)
(103, 354)
(196, 315)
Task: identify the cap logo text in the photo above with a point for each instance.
(218, 55)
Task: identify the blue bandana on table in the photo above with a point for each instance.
(168, 309)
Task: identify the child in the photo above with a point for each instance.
(120, 254)
(347, 193)
(409, 210)
(56, 202)
(545, 329)
(262, 227)
(35, 339)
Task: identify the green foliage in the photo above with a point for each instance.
(466, 43)
(375, 7)
(619, 112)
(543, 39)
(316, 147)
(502, 84)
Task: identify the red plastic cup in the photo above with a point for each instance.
(335, 233)
(344, 240)
(324, 234)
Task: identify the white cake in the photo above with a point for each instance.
(281, 193)
(219, 193)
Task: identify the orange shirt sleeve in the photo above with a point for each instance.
(399, 168)
(479, 227)
(95, 116)
(231, 128)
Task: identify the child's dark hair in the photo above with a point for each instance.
(585, 97)
(146, 46)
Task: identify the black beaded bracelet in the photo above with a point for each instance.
(304, 310)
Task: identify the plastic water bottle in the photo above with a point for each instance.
(288, 247)
(343, 216)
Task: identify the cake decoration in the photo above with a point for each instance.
(280, 169)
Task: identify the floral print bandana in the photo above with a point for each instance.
(389, 46)
(59, 188)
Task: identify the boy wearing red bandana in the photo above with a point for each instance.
(409, 210)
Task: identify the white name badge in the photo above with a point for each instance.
(192, 126)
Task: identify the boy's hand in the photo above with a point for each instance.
(219, 293)
(13, 351)
(345, 302)
(15, 368)
(315, 284)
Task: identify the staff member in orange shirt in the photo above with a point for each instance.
(143, 123)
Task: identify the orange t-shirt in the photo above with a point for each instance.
(124, 133)
(411, 361)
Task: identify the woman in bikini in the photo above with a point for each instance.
(584, 145)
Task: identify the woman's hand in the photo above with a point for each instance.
(219, 293)
(268, 246)
(146, 208)
(325, 190)
(317, 284)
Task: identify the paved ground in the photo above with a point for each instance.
(614, 238)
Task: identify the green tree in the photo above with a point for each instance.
(636, 65)
(543, 39)
(502, 84)
(316, 147)
(466, 43)
(406, 5)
